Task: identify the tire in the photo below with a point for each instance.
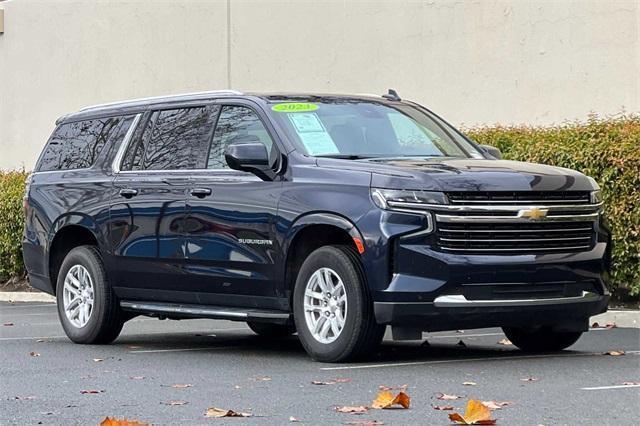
(541, 339)
(272, 330)
(360, 334)
(104, 320)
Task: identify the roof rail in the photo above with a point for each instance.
(168, 97)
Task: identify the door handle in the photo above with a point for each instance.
(200, 192)
(128, 192)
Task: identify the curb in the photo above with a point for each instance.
(26, 296)
(621, 318)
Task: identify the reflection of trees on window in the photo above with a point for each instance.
(235, 122)
(175, 139)
(77, 145)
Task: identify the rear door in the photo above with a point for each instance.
(230, 225)
(149, 204)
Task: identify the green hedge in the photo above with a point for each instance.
(607, 150)
(11, 223)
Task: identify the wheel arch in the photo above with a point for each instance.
(312, 231)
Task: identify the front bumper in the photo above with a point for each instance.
(451, 312)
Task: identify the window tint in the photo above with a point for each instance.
(77, 145)
(236, 123)
(176, 139)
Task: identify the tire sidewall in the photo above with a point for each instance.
(85, 257)
(338, 261)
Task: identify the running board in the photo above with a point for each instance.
(172, 310)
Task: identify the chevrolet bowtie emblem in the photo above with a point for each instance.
(534, 213)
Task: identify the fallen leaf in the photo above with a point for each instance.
(112, 421)
(386, 399)
(607, 326)
(91, 391)
(182, 386)
(8, 324)
(136, 377)
(364, 423)
(24, 398)
(447, 397)
(98, 359)
(34, 354)
(460, 331)
(631, 383)
(443, 407)
(476, 413)
(42, 340)
(329, 382)
(401, 388)
(359, 409)
(175, 403)
(220, 412)
(469, 383)
(614, 353)
(505, 342)
(529, 379)
(496, 405)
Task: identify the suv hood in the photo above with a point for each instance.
(450, 174)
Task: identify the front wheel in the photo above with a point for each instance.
(87, 306)
(332, 309)
(541, 339)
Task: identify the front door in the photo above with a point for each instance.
(148, 208)
(230, 225)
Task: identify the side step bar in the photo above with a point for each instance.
(172, 310)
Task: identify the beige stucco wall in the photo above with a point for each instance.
(473, 61)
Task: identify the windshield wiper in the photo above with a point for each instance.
(345, 156)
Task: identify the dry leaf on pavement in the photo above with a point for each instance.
(496, 405)
(609, 325)
(364, 423)
(447, 397)
(614, 353)
(90, 391)
(476, 413)
(136, 377)
(401, 388)
(469, 383)
(386, 399)
(442, 407)
(529, 379)
(631, 383)
(329, 382)
(175, 403)
(112, 421)
(8, 324)
(98, 359)
(34, 354)
(358, 409)
(220, 412)
(182, 385)
(505, 342)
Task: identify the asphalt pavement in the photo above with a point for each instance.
(170, 372)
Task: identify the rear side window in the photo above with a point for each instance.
(77, 145)
(176, 139)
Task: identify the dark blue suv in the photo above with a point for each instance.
(330, 216)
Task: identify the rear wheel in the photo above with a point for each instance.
(87, 306)
(541, 339)
(332, 309)
(272, 330)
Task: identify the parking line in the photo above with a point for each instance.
(453, 361)
(613, 387)
(27, 306)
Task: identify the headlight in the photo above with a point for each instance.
(596, 196)
(392, 199)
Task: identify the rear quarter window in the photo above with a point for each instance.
(77, 145)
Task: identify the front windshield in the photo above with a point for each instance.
(352, 128)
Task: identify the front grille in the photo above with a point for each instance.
(520, 197)
(521, 237)
(516, 222)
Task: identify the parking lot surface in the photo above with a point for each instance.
(170, 372)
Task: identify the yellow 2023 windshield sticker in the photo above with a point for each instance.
(294, 107)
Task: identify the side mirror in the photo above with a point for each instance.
(492, 150)
(248, 154)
